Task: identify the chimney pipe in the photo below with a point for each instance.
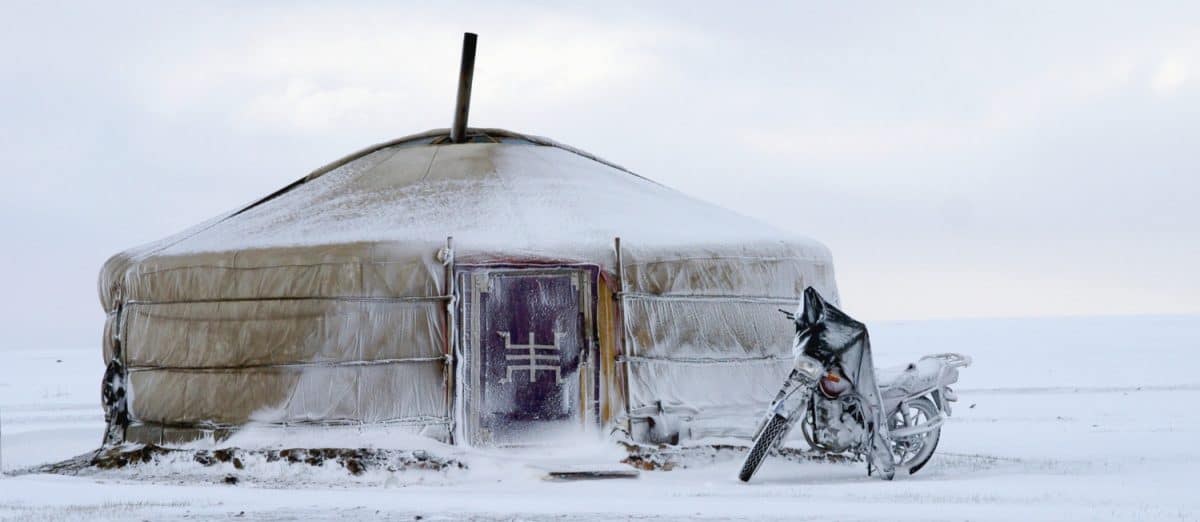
(458, 133)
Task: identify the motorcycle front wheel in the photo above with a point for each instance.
(912, 453)
(767, 438)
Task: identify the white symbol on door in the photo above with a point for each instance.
(533, 361)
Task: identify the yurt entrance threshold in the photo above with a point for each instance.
(528, 371)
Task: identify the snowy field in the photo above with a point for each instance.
(1058, 419)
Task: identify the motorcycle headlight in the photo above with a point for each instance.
(833, 386)
(809, 367)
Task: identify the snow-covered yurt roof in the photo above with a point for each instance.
(370, 224)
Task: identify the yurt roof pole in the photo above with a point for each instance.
(458, 132)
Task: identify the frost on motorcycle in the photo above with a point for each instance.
(890, 418)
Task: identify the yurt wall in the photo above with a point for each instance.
(702, 335)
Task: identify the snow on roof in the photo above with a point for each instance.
(503, 191)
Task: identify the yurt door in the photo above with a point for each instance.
(527, 345)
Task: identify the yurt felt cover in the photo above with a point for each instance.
(323, 302)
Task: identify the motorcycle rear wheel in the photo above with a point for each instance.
(913, 453)
(770, 434)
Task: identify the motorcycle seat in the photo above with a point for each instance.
(912, 378)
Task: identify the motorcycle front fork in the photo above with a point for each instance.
(792, 400)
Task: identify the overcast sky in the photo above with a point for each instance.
(960, 158)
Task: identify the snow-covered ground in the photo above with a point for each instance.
(1058, 419)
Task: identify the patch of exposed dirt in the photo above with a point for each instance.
(355, 461)
(666, 458)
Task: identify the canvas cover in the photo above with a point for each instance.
(324, 302)
(828, 335)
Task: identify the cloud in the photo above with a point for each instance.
(304, 106)
(996, 107)
(857, 143)
(1171, 74)
(323, 70)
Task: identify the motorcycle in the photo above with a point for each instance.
(890, 418)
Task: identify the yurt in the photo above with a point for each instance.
(478, 286)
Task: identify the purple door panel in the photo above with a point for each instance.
(526, 347)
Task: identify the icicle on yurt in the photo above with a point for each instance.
(478, 286)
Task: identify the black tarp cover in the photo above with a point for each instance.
(828, 335)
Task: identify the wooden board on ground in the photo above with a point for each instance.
(591, 473)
